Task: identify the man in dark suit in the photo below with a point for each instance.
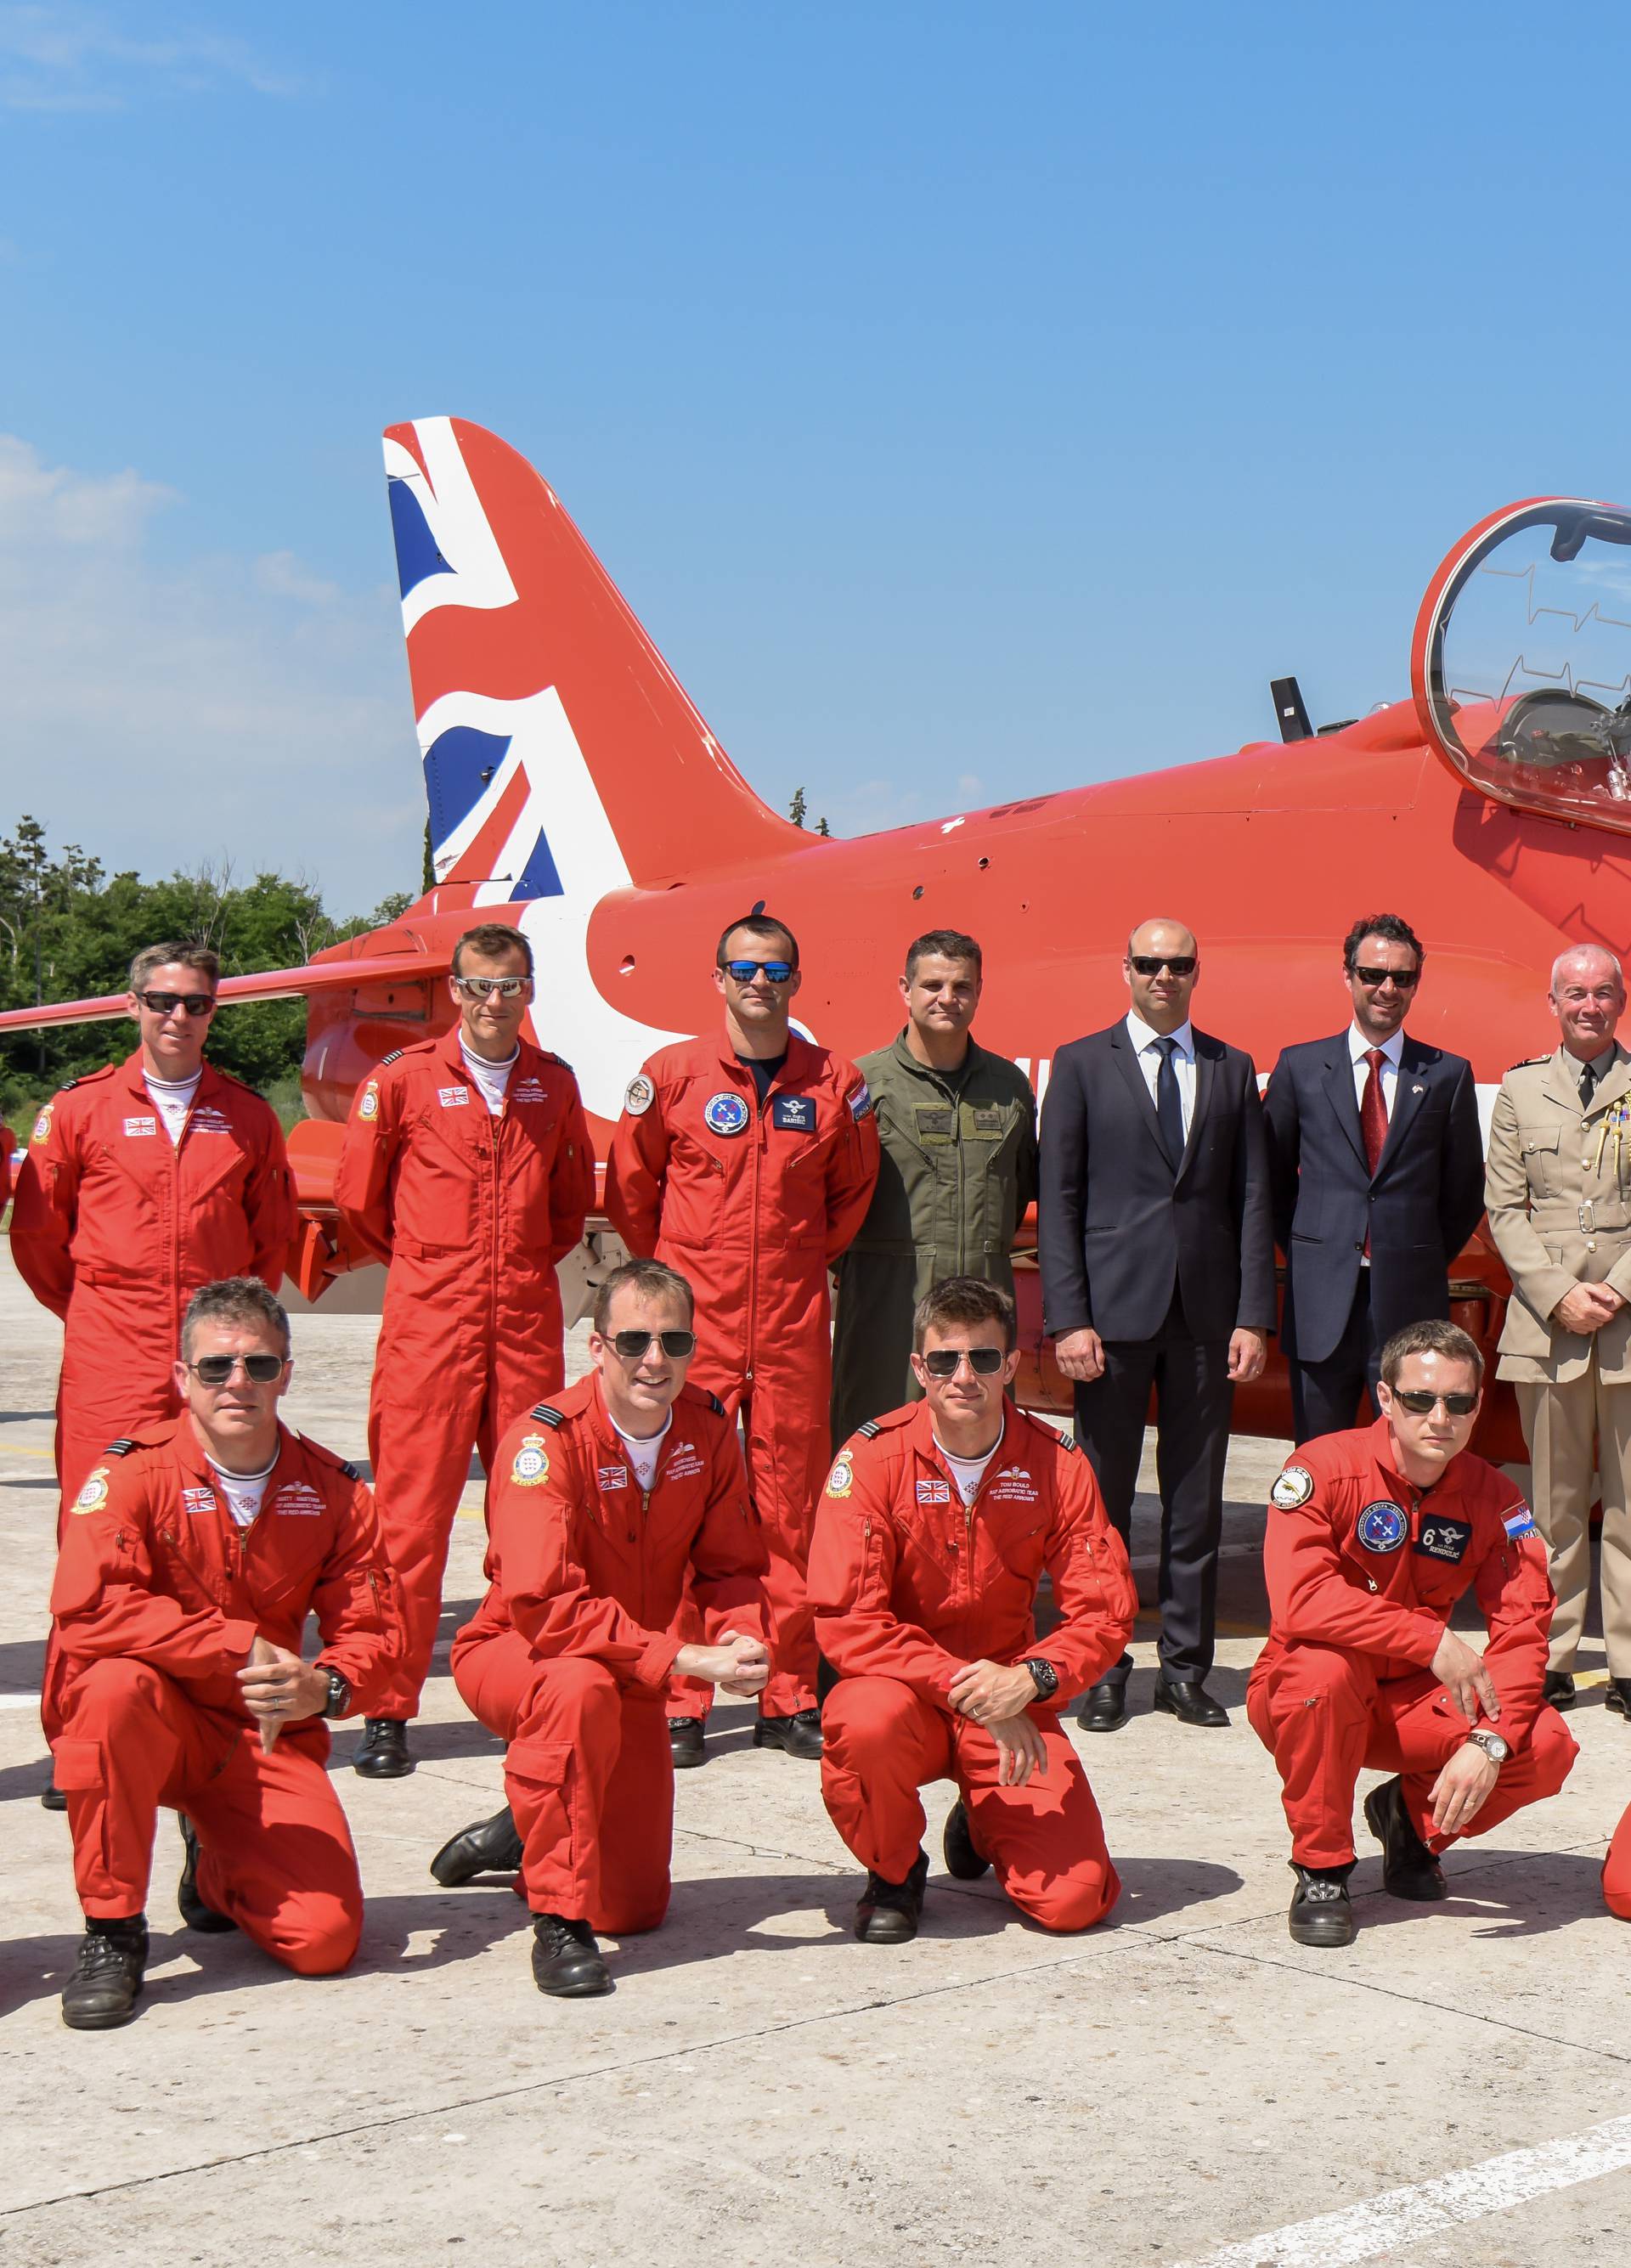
(1157, 1255)
(1377, 1167)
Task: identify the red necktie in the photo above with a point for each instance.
(1373, 1118)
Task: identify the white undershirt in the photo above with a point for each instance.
(243, 1492)
(967, 1472)
(1146, 1043)
(643, 1453)
(491, 1077)
(172, 1099)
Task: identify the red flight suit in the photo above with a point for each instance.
(569, 1656)
(753, 1203)
(472, 1213)
(907, 1584)
(115, 1227)
(158, 1598)
(1363, 1570)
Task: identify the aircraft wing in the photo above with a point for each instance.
(265, 985)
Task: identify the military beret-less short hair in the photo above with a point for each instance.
(945, 944)
(965, 1299)
(764, 927)
(650, 1279)
(495, 939)
(1430, 1337)
(240, 1300)
(201, 957)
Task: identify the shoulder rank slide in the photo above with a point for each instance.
(548, 1415)
(715, 1404)
(120, 1448)
(870, 1431)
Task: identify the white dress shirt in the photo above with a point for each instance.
(1147, 1043)
(1358, 1045)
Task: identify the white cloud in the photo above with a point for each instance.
(68, 58)
(229, 706)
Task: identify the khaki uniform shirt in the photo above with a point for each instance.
(1558, 1187)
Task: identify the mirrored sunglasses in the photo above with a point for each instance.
(943, 1362)
(493, 988)
(743, 972)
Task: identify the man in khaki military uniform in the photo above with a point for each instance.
(1557, 1188)
(958, 1130)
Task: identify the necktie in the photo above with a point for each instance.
(1373, 1109)
(1587, 1084)
(1169, 1106)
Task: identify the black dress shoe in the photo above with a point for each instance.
(1617, 1699)
(491, 1846)
(685, 1743)
(194, 1911)
(799, 1734)
(51, 1797)
(1322, 1913)
(1187, 1700)
(106, 1982)
(964, 1857)
(887, 1912)
(1104, 1706)
(1409, 1870)
(1558, 1692)
(382, 1752)
(566, 1960)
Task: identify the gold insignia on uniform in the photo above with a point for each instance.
(42, 1124)
(93, 1495)
(369, 1107)
(841, 1479)
(531, 1468)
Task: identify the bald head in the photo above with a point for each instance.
(1588, 997)
(1161, 967)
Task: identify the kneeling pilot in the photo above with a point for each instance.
(190, 1559)
(1373, 1536)
(601, 1503)
(933, 1531)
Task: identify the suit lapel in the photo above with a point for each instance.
(1339, 1088)
(1125, 1058)
(1561, 1080)
(1205, 1071)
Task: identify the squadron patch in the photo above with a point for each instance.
(42, 1124)
(794, 1113)
(93, 1495)
(531, 1468)
(1294, 1487)
(1444, 1539)
(1383, 1526)
(639, 1095)
(369, 1107)
(725, 1113)
(841, 1479)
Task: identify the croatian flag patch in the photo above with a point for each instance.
(1521, 1521)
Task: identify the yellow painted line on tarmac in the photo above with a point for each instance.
(21, 1449)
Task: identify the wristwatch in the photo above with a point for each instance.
(1045, 1677)
(1494, 1747)
(339, 1694)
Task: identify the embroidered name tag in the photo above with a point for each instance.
(794, 1113)
(1444, 1539)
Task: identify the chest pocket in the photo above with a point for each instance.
(1538, 1148)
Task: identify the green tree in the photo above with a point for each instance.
(796, 809)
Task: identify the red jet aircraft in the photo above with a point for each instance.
(575, 791)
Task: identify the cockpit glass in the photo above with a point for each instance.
(1523, 670)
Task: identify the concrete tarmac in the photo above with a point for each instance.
(1181, 2085)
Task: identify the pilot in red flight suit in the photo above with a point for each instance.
(466, 1166)
(602, 1503)
(1373, 1535)
(937, 1523)
(194, 1553)
(748, 1162)
(142, 1182)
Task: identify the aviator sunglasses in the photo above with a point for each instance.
(216, 1369)
(743, 972)
(1421, 1403)
(164, 1003)
(943, 1362)
(631, 1345)
(1151, 964)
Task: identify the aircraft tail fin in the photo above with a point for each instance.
(562, 755)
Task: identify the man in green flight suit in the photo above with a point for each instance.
(958, 1129)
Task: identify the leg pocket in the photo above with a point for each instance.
(539, 1780)
(77, 1764)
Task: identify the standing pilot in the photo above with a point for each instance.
(957, 1129)
(1559, 1193)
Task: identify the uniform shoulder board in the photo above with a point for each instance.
(547, 1414)
(1528, 1063)
(550, 1056)
(870, 1431)
(121, 1448)
(1067, 1441)
(66, 1083)
(715, 1404)
(330, 1457)
(395, 1055)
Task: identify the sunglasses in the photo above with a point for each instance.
(259, 1369)
(1151, 964)
(493, 988)
(743, 972)
(984, 1362)
(166, 1004)
(633, 1344)
(1421, 1403)
(1403, 977)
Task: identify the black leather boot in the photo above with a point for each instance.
(491, 1846)
(382, 1752)
(106, 1983)
(566, 1960)
(193, 1909)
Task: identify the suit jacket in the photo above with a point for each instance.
(1559, 1213)
(1418, 1209)
(1121, 1222)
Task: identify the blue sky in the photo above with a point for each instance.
(967, 398)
